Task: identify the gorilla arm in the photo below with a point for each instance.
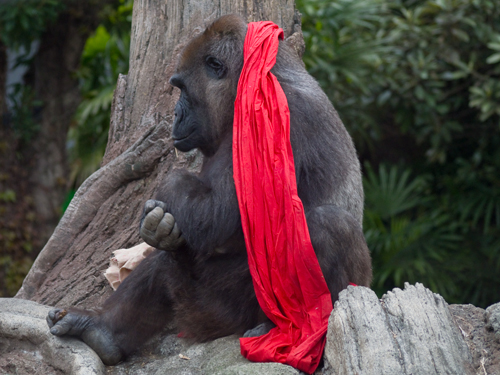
(204, 206)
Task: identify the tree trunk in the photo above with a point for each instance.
(55, 84)
(105, 212)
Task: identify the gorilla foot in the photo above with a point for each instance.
(86, 326)
(260, 330)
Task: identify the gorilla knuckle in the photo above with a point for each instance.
(149, 205)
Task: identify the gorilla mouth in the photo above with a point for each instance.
(183, 143)
(176, 139)
(182, 138)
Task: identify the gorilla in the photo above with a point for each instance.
(198, 275)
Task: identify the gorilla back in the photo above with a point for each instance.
(199, 273)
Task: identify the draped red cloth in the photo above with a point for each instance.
(288, 281)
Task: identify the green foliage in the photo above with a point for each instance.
(24, 106)
(15, 272)
(105, 56)
(23, 21)
(390, 193)
(344, 47)
(410, 237)
(8, 195)
(439, 58)
(417, 83)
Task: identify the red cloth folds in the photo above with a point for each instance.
(288, 281)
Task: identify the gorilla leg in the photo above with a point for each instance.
(140, 307)
(340, 246)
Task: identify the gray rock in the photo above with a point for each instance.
(493, 319)
(174, 355)
(408, 331)
(171, 355)
(259, 369)
(27, 347)
(482, 343)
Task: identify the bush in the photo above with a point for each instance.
(417, 83)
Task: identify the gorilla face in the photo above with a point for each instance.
(207, 75)
(190, 121)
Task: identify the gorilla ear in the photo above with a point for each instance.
(215, 67)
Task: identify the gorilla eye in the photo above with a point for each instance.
(215, 67)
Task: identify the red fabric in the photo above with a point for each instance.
(288, 281)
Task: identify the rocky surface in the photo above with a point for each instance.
(410, 331)
(171, 355)
(27, 347)
(481, 332)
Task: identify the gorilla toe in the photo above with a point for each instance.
(260, 330)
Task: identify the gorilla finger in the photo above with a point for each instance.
(173, 241)
(162, 205)
(176, 233)
(149, 237)
(165, 226)
(151, 204)
(152, 220)
(169, 219)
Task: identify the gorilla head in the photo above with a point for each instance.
(207, 75)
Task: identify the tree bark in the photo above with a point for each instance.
(105, 212)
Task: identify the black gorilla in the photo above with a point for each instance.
(199, 274)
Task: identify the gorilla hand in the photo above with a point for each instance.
(158, 228)
(85, 325)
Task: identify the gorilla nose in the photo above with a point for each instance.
(176, 81)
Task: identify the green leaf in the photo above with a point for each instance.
(493, 59)
(8, 196)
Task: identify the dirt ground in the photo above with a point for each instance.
(482, 342)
